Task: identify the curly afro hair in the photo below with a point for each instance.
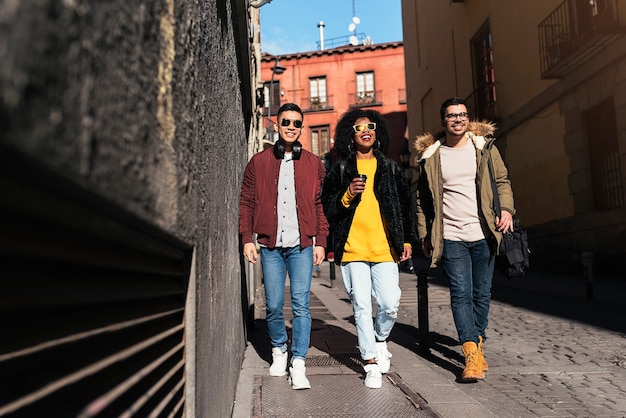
(344, 134)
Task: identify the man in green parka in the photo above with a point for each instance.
(456, 221)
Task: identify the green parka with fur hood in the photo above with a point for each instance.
(430, 191)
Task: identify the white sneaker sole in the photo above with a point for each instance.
(300, 387)
(374, 385)
(278, 374)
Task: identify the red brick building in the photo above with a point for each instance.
(327, 83)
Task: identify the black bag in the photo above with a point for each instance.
(513, 257)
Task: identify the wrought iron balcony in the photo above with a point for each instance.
(367, 98)
(575, 31)
(319, 103)
(274, 110)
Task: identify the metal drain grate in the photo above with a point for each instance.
(334, 396)
(350, 360)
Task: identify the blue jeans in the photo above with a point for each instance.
(469, 268)
(362, 280)
(276, 262)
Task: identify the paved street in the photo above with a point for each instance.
(552, 352)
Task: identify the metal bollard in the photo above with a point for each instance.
(587, 260)
(422, 312)
(331, 263)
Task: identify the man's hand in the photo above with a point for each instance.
(318, 255)
(249, 252)
(505, 222)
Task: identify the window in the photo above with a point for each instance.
(317, 86)
(274, 90)
(320, 140)
(484, 74)
(585, 14)
(365, 92)
(606, 173)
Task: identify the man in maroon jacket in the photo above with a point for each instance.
(280, 202)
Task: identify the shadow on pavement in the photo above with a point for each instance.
(441, 352)
(339, 344)
(260, 340)
(563, 296)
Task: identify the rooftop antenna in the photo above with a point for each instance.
(352, 26)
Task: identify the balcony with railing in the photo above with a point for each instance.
(366, 98)
(575, 31)
(317, 104)
(274, 110)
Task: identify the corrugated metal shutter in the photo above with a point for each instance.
(91, 304)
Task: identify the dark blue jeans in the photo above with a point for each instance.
(469, 268)
(276, 263)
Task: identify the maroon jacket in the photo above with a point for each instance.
(259, 194)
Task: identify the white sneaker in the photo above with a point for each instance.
(297, 375)
(279, 362)
(373, 377)
(383, 357)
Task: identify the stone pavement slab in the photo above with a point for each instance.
(551, 352)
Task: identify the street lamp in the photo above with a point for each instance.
(276, 69)
(260, 3)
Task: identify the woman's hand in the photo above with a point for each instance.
(357, 186)
(406, 253)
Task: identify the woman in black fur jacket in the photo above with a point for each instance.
(373, 222)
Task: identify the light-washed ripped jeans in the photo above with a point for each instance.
(363, 280)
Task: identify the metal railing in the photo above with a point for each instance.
(362, 39)
(569, 33)
(362, 99)
(273, 110)
(314, 104)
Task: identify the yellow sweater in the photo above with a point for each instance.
(367, 239)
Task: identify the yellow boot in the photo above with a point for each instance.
(473, 369)
(481, 350)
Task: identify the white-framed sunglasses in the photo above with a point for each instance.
(371, 126)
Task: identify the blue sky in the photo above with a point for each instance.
(289, 26)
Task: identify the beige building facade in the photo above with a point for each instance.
(552, 75)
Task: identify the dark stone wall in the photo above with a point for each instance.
(140, 102)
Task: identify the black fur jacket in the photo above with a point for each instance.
(391, 190)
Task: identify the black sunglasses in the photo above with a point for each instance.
(296, 123)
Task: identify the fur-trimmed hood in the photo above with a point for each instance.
(426, 144)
